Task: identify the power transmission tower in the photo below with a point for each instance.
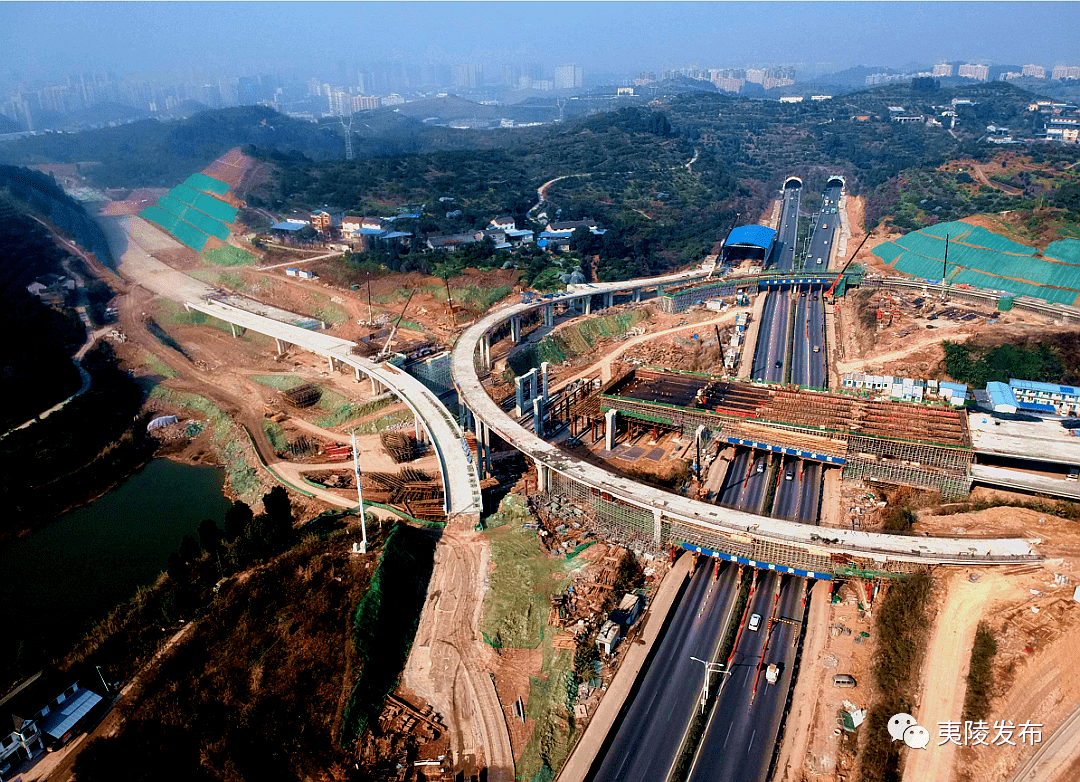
(348, 136)
(561, 103)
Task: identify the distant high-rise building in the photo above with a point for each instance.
(339, 103)
(942, 70)
(365, 102)
(1009, 75)
(210, 95)
(568, 77)
(1065, 72)
(1036, 71)
(468, 75)
(644, 78)
(973, 71)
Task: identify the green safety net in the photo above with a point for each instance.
(185, 194)
(206, 184)
(219, 210)
(983, 259)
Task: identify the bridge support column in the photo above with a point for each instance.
(280, 346)
(637, 294)
(544, 379)
(658, 527)
(519, 396)
(485, 353)
(377, 387)
(484, 449)
(609, 428)
(331, 360)
(609, 300)
(588, 305)
(419, 430)
(357, 374)
(232, 328)
(549, 315)
(538, 416)
(515, 329)
(541, 476)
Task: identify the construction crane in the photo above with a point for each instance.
(390, 340)
(828, 296)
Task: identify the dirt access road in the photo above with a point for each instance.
(447, 664)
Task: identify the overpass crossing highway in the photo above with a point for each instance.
(711, 520)
(461, 483)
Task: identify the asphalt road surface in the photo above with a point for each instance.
(742, 730)
(783, 256)
(647, 741)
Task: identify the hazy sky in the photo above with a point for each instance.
(51, 39)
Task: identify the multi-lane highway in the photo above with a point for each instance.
(783, 256)
(742, 729)
(647, 742)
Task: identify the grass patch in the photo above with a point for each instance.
(228, 256)
(331, 313)
(515, 616)
(278, 382)
(340, 410)
(174, 314)
(980, 678)
(521, 587)
(480, 299)
(576, 339)
(1061, 508)
(378, 424)
(275, 434)
(159, 367)
(902, 625)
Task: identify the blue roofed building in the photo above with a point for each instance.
(748, 242)
(956, 393)
(1048, 398)
(1001, 397)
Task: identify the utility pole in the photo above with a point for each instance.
(369, 320)
(359, 496)
(450, 303)
(945, 270)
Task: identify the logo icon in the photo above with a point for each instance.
(902, 727)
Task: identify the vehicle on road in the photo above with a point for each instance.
(772, 673)
(817, 348)
(754, 623)
(760, 467)
(790, 474)
(779, 364)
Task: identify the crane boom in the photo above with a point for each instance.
(843, 268)
(390, 340)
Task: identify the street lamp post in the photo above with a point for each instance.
(709, 668)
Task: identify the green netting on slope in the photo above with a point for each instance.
(185, 194)
(189, 235)
(207, 184)
(888, 252)
(1065, 250)
(974, 235)
(157, 215)
(207, 224)
(170, 204)
(219, 210)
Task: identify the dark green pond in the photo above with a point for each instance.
(59, 580)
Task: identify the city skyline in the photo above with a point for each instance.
(159, 41)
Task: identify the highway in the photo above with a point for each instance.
(742, 729)
(647, 742)
(783, 257)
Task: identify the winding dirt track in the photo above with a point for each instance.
(446, 665)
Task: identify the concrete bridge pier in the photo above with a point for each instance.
(637, 294)
(332, 365)
(519, 396)
(420, 434)
(609, 429)
(358, 376)
(485, 353)
(658, 526)
(281, 345)
(538, 416)
(377, 387)
(544, 380)
(541, 475)
(515, 329)
(609, 300)
(549, 315)
(588, 305)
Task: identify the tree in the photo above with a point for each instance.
(279, 517)
(190, 550)
(237, 518)
(209, 535)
